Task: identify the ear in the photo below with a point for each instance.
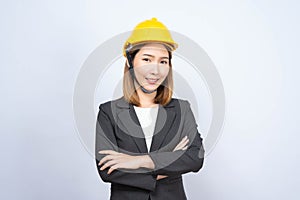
(127, 63)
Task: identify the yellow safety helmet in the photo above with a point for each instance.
(150, 31)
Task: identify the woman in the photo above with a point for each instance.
(146, 139)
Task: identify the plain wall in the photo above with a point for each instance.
(254, 45)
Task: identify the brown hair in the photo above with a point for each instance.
(164, 91)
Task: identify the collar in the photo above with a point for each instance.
(122, 103)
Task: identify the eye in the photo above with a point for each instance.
(146, 59)
(164, 62)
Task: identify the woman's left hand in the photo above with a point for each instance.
(116, 160)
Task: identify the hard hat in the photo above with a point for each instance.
(150, 31)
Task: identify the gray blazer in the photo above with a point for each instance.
(118, 129)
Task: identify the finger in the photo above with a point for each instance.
(109, 157)
(108, 164)
(178, 145)
(183, 140)
(161, 177)
(181, 145)
(105, 159)
(185, 143)
(179, 148)
(103, 167)
(111, 169)
(185, 148)
(108, 152)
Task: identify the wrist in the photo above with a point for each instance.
(146, 162)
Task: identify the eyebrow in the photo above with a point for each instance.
(154, 56)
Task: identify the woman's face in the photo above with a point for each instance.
(151, 65)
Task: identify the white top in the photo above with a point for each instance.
(147, 118)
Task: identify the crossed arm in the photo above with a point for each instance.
(186, 156)
(115, 160)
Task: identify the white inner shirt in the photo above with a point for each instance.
(147, 118)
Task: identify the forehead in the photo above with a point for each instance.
(154, 49)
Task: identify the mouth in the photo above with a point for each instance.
(152, 80)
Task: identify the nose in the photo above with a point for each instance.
(155, 68)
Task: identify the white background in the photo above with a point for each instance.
(254, 45)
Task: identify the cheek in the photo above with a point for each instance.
(165, 71)
(136, 63)
(139, 71)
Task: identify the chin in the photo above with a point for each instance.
(147, 87)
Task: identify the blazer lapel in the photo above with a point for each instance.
(165, 118)
(130, 122)
(127, 120)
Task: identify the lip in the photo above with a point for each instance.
(151, 80)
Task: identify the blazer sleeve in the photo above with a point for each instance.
(182, 161)
(105, 140)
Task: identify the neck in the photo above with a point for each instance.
(146, 100)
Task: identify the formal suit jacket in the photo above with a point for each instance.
(119, 129)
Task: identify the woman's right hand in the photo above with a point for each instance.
(182, 145)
